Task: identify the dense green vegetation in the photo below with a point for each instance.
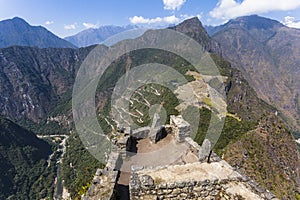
(232, 131)
(23, 166)
(78, 167)
(248, 107)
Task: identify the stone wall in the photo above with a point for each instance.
(179, 190)
(214, 181)
(141, 133)
(104, 180)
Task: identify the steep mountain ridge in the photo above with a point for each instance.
(17, 32)
(194, 29)
(268, 54)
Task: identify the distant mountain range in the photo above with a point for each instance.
(268, 54)
(96, 36)
(17, 32)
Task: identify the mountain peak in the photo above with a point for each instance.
(192, 24)
(193, 20)
(194, 29)
(18, 19)
(18, 32)
(255, 21)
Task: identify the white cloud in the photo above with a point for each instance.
(185, 16)
(70, 26)
(227, 9)
(172, 19)
(173, 4)
(291, 22)
(89, 25)
(142, 20)
(49, 22)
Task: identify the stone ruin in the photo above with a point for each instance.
(156, 132)
(180, 127)
(198, 174)
(104, 180)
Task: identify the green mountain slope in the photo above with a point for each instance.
(23, 166)
(262, 155)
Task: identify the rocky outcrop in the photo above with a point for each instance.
(204, 180)
(205, 151)
(37, 79)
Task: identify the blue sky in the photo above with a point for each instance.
(67, 17)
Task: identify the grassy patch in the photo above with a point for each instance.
(234, 116)
(207, 101)
(158, 180)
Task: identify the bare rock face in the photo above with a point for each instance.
(157, 131)
(141, 133)
(35, 79)
(156, 121)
